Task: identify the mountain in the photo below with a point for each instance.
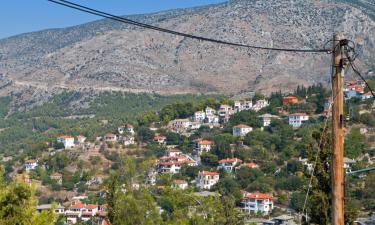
(107, 55)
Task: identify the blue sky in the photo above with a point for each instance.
(21, 16)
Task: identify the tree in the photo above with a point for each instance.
(145, 134)
(17, 205)
(354, 144)
(222, 145)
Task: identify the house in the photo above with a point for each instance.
(209, 111)
(281, 220)
(199, 116)
(257, 203)
(242, 105)
(212, 119)
(195, 125)
(367, 95)
(80, 139)
(267, 118)
(172, 162)
(260, 104)
(348, 163)
(297, 119)
(57, 177)
(173, 152)
(174, 166)
(225, 112)
(180, 184)
(59, 209)
(127, 128)
(162, 140)
(308, 166)
(207, 179)
(229, 164)
(127, 140)
(241, 130)
(30, 164)
(250, 165)
(203, 146)
(110, 137)
(67, 141)
(80, 211)
(327, 106)
(180, 124)
(290, 100)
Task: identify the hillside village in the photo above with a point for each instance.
(258, 150)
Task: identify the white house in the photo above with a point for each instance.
(127, 140)
(110, 137)
(207, 179)
(241, 130)
(30, 164)
(209, 111)
(173, 152)
(260, 104)
(172, 162)
(257, 202)
(250, 165)
(366, 96)
(67, 141)
(59, 209)
(225, 112)
(127, 128)
(203, 146)
(297, 119)
(212, 119)
(180, 184)
(348, 163)
(180, 124)
(199, 116)
(229, 164)
(162, 140)
(80, 139)
(80, 211)
(267, 118)
(308, 166)
(242, 105)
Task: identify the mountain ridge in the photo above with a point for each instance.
(105, 55)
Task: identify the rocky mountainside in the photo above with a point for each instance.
(107, 55)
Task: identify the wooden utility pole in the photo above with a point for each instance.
(337, 167)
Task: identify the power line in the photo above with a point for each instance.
(147, 26)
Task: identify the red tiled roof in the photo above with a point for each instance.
(230, 160)
(208, 173)
(180, 181)
(110, 135)
(250, 165)
(56, 175)
(170, 163)
(257, 195)
(205, 142)
(91, 206)
(290, 97)
(298, 114)
(173, 150)
(65, 137)
(31, 161)
(242, 126)
(159, 137)
(77, 206)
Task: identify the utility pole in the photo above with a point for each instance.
(337, 167)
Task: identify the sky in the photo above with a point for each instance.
(21, 16)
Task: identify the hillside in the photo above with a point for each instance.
(106, 55)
